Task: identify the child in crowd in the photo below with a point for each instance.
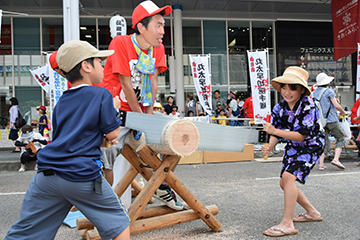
(296, 119)
(69, 168)
(222, 115)
(218, 109)
(190, 113)
(27, 136)
(158, 109)
(43, 121)
(174, 111)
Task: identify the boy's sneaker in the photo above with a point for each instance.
(167, 196)
(22, 170)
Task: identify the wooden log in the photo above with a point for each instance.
(83, 223)
(138, 188)
(93, 235)
(167, 220)
(178, 138)
(148, 191)
(175, 183)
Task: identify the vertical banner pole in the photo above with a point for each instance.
(358, 73)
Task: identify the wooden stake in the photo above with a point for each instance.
(267, 155)
(167, 220)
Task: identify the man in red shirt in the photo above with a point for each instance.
(355, 120)
(131, 73)
(248, 106)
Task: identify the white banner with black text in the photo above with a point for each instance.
(200, 69)
(258, 69)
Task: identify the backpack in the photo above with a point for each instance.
(318, 105)
(48, 125)
(19, 121)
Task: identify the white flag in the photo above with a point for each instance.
(202, 81)
(41, 76)
(260, 86)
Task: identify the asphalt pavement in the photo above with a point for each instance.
(247, 194)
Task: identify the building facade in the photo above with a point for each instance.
(295, 33)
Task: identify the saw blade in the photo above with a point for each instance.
(213, 137)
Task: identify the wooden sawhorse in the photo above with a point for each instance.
(155, 217)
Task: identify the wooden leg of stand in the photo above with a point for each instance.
(167, 220)
(82, 233)
(125, 181)
(145, 195)
(155, 211)
(137, 187)
(92, 235)
(83, 223)
(174, 182)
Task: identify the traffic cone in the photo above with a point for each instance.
(46, 135)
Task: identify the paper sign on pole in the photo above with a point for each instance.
(258, 69)
(58, 85)
(41, 76)
(202, 81)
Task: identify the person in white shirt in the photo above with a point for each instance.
(28, 136)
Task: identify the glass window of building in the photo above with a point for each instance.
(215, 43)
(52, 34)
(88, 30)
(5, 62)
(26, 57)
(238, 43)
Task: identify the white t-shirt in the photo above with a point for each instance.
(233, 105)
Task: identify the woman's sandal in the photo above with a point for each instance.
(322, 168)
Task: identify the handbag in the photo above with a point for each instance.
(19, 121)
(346, 128)
(31, 149)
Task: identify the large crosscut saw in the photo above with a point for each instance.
(213, 137)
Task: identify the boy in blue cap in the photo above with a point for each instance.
(69, 168)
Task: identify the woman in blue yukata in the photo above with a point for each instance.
(296, 119)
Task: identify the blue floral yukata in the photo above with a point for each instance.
(300, 156)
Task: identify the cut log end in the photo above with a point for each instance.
(181, 137)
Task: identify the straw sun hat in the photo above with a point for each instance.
(292, 75)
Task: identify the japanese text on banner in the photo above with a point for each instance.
(201, 75)
(41, 76)
(259, 85)
(58, 85)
